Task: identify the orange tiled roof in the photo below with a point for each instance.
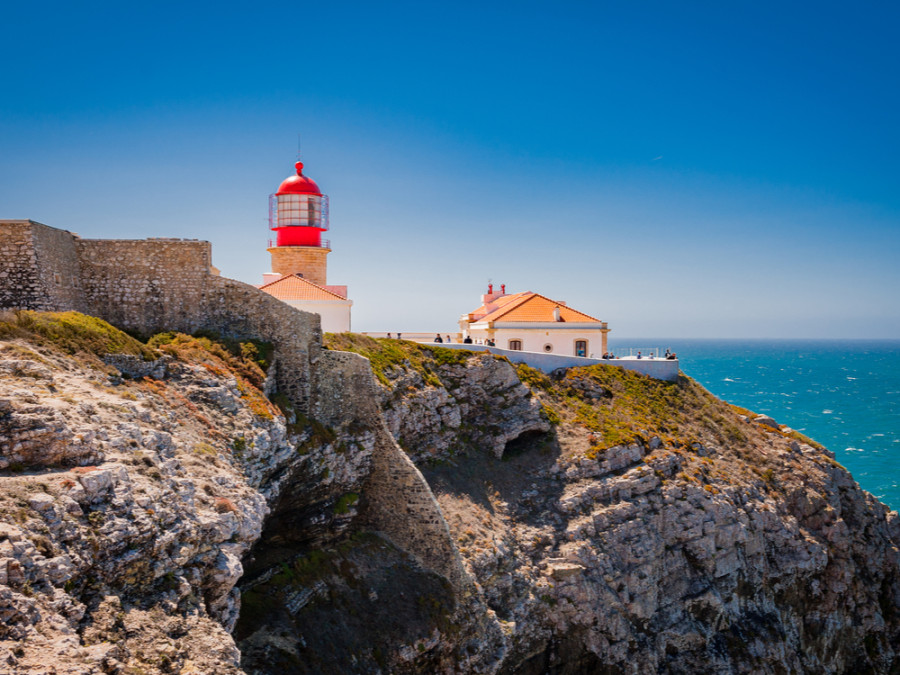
(537, 308)
(295, 287)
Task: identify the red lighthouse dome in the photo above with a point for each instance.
(299, 184)
(298, 212)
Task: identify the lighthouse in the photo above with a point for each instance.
(298, 215)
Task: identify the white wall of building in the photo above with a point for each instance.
(661, 369)
(335, 314)
(548, 339)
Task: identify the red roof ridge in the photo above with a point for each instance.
(500, 312)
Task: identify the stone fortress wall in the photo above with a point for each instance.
(146, 284)
(153, 285)
(39, 267)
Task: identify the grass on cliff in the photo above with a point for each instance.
(223, 358)
(76, 333)
(384, 354)
(630, 406)
(91, 338)
(249, 358)
(71, 332)
(636, 407)
(795, 435)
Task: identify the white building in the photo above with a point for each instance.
(328, 302)
(534, 323)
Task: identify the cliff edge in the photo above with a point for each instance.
(166, 510)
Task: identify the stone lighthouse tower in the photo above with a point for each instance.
(298, 214)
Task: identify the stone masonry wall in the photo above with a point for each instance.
(59, 266)
(39, 267)
(20, 283)
(308, 261)
(152, 285)
(143, 285)
(165, 284)
(236, 309)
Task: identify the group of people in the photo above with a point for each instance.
(466, 340)
(669, 355)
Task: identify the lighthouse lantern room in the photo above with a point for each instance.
(298, 212)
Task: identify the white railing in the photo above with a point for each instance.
(640, 353)
(659, 367)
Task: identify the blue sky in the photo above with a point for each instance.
(677, 169)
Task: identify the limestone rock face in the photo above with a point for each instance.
(481, 404)
(655, 530)
(394, 595)
(740, 550)
(139, 515)
(181, 523)
(128, 508)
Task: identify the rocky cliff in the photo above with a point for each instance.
(164, 510)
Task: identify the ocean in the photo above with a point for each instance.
(845, 394)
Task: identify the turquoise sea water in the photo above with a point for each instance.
(844, 394)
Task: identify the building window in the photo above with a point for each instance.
(548, 348)
(515, 345)
(581, 347)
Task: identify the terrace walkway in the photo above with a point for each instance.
(660, 368)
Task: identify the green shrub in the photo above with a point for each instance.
(345, 502)
(444, 356)
(533, 377)
(634, 407)
(552, 416)
(217, 354)
(204, 449)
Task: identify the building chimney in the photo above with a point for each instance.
(556, 314)
(503, 289)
